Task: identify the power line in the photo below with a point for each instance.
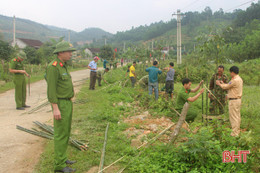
(190, 4)
(240, 5)
(203, 5)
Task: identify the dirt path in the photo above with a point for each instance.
(20, 151)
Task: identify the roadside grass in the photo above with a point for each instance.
(34, 78)
(90, 120)
(89, 124)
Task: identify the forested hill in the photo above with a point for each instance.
(193, 23)
(233, 27)
(33, 30)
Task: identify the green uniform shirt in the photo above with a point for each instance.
(59, 81)
(16, 65)
(182, 98)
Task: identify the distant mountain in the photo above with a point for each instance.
(33, 30)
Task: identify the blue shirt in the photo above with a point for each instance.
(153, 74)
(93, 64)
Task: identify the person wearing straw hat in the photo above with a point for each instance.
(17, 68)
(93, 73)
(60, 91)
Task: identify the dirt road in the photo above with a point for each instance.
(20, 151)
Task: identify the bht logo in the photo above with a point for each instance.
(227, 156)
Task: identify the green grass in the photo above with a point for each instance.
(89, 123)
(90, 120)
(34, 78)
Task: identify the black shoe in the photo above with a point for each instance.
(66, 169)
(26, 106)
(20, 108)
(70, 162)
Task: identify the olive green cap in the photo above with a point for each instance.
(21, 55)
(64, 46)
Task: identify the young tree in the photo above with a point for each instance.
(106, 52)
(5, 51)
(31, 54)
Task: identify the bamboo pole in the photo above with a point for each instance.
(49, 135)
(184, 120)
(103, 151)
(141, 80)
(213, 96)
(144, 144)
(180, 122)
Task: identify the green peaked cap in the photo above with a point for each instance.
(64, 46)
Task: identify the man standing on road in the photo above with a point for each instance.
(184, 97)
(235, 90)
(60, 91)
(100, 76)
(16, 67)
(169, 86)
(215, 107)
(93, 73)
(153, 79)
(132, 74)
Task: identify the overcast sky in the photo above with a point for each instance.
(109, 15)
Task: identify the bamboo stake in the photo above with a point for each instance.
(33, 132)
(147, 143)
(180, 122)
(141, 80)
(49, 135)
(103, 151)
(180, 116)
(213, 95)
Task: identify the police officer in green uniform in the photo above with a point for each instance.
(183, 97)
(60, 91)
(215, 107)
(16, 67)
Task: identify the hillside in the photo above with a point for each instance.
(33, 30)
(164, 33)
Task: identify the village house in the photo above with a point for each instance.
(22, 43)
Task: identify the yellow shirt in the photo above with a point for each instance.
(131, 70)
(234, 87)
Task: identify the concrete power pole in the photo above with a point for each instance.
(105, 41)
(14, 39)
(124, 46)
(179, 16)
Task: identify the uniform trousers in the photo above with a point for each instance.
(20, 90)
(234, 116)
(62, 133)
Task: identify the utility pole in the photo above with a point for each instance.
(179, 16)
(105, 41)
(14, 39)
(124, 46)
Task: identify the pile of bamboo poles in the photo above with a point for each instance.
(48, 133)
